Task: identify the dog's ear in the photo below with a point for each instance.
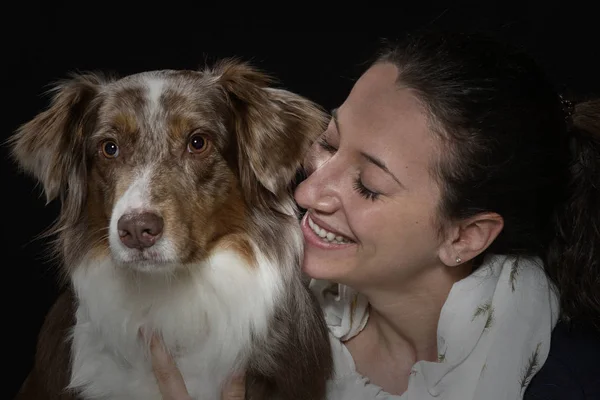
(51, 146)
(274, 127)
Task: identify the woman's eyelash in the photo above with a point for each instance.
(363, 191)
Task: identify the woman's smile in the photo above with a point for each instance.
(318, 234)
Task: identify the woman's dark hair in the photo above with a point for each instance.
(513, 146)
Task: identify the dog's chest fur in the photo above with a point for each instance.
(206, 320)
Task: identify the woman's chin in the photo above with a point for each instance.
(330, 270)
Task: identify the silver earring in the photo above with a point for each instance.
(458, 260)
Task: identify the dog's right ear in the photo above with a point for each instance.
(274, 128)
(51, 146)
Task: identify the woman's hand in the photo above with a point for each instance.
(171, 383)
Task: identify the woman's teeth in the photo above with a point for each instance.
(326, 235)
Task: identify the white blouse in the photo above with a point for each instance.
(493, 336)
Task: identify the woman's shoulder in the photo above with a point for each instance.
(572, 370)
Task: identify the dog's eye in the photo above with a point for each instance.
(109, 149)
(197, 144)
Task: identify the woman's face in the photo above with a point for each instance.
(370, 198)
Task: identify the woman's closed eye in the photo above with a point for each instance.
(364, 191)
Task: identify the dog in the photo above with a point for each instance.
(177, 217)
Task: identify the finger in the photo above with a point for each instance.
(169, 379)
(235, 389)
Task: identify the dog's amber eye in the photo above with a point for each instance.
(109, 149)
(197, 144)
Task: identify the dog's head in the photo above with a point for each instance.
(157, 168)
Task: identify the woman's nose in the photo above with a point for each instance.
(319, 191)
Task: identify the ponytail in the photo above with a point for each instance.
(573, 258)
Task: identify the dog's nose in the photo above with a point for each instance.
(140, 230)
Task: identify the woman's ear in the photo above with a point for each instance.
(470, 237)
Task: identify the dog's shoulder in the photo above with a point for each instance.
(50, 373)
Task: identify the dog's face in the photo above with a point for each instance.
(160, 167)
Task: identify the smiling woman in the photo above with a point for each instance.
(451, 222)
(368, 176)
(446, 173)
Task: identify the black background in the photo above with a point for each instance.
(320, 59)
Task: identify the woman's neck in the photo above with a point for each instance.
(404, 319)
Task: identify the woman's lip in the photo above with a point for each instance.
(326, 227)
(315, 240)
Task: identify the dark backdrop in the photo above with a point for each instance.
(43, 44)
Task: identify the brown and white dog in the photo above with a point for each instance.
(177, 217)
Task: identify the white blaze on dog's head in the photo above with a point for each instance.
(136, 228)
(159, 169)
